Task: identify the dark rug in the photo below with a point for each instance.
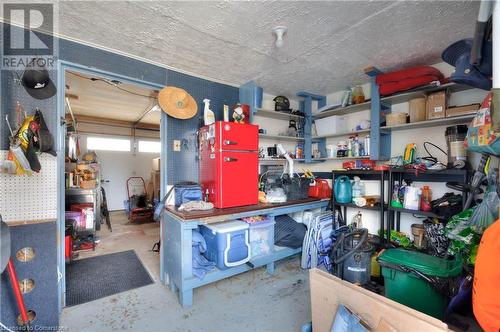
(96, 277)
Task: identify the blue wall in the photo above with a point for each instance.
(181, 165)
(42, 269)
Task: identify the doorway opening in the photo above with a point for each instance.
(112, 171)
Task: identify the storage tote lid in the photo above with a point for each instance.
(426, 264)
(261, 224)
(229, 226)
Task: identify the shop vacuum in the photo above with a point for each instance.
(351, 256)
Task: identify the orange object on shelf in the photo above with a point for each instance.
(425, 199)
(321, 189)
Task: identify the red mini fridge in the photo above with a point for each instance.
(229, 163)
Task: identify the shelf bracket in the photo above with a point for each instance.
(248, 95)
(306, 107)
(380, 145)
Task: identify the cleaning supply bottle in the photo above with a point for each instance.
(226, 113)
(358, 188)
(208, 115)
(425, 199)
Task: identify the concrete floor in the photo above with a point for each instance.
(252, 301)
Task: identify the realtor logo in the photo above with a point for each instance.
(34, 18)
(27, 33)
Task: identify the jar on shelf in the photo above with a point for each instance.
(358, 96)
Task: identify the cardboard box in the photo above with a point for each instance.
(88, 184)
(462, 110)
(328, 291)
(156, 164)
(155, 178)
(436, 105)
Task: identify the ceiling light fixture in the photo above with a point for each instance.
(280, 32)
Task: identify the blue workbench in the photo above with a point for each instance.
(176, 249)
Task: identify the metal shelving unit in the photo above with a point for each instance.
(411, 175)
(415, 212)
(381, 176)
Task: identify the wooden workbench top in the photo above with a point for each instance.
(191, 215)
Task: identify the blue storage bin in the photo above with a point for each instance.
(228, 243)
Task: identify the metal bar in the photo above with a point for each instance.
(71, 113)
(14, 283)
(390, 214)
(382, 205)
(307, 129)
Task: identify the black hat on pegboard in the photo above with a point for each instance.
(37, 82)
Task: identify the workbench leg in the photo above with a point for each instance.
(270, 268)
(186, 298)
(172, 287)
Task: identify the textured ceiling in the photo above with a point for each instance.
(327, 45)
(103, 100)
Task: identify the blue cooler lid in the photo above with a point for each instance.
(228, 226)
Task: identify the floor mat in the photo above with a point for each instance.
(92, 278)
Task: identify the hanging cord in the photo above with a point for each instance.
(112, 83)
(430, 157)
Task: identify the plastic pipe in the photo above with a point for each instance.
(17, 292)
(283, 152)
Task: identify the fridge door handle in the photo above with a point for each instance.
(228, 142)
(230, 160)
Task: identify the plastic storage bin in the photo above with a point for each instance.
(228, 243)
(261, 237)
(411, 290)
(331, 125)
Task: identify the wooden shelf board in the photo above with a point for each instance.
(271, 114)
(431, 123)
(392, 99)
(280, 137)
(358, 132)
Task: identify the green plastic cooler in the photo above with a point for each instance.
(411, 290)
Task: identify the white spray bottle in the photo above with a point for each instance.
(208, 115)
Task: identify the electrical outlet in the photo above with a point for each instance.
(177, 145)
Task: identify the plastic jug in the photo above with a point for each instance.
(358, 188)
(343, 189)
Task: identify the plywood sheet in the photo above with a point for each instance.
(327, 292)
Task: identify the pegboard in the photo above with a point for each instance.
(30, 198)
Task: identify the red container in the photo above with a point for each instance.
(68, 247)
(229, 163)
(321, 189)
(81, 206)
